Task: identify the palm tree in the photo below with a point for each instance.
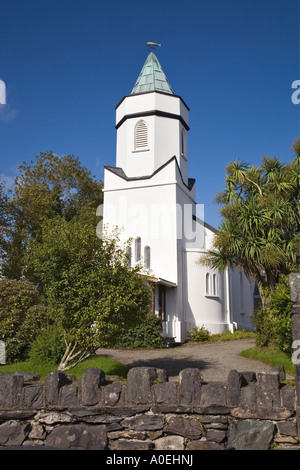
(261, 217)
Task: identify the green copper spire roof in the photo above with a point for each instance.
(152, 77)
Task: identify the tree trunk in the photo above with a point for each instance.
(70, 355)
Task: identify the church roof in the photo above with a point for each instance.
(152, 78)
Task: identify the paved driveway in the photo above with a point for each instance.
(214, 359)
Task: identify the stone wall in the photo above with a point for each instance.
(252, 411)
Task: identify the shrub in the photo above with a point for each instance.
(273, 324)
(21, 317)
(48, 346)
(199, 334)
(144, 335)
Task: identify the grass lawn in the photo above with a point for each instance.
(271, 356)
(109, 366)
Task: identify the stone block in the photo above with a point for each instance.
(287, 428)
(235, 382)
(11, 386)
(215, 394)
(204, 445)
(165, 392)
(54, 381)
(37, 431)
(28, 377)
(185, 427)
(294, 280)
(275, 414)
(139, 383)
(248, 396)
(78, 437)
(169, 443)
(190, 386)
(151, 422)
(112, 393)
(69, 395)
(54, 417)
(13, 433)
(92, 379)
(128, 444)
(288, 397)
(268, 389)
(33, 396)
(297, 382)
(251, 435)
(215, 435)
(296, 327)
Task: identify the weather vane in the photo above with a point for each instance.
(152, 45)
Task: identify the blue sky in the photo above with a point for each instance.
(67, 64)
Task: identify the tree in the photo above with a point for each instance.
(259, 231)
(88, 286)
(49, 187)
(4, 220)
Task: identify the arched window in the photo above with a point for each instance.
(147, 261)
(138, 249)
(207, 287)
(141, 136)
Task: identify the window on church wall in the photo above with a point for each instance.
(138, 248)
(141, 136)
(211, 285)
(182, 142)
(147, 261)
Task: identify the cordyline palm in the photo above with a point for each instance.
(260, 227)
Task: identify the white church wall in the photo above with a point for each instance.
(242, 300)
(202, 306)
(147, 212)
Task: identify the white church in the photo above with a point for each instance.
(149, 195)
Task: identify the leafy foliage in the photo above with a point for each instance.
(21, 316)
(144, 335)
(199, 334)
(48, 347)
(274, 325)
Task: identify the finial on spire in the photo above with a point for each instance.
(153, 45)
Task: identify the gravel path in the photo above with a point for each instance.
(214, 359)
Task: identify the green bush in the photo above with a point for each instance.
(273, 323)
(144, 335)
(199, 334)
(48, 347)
(21, 317)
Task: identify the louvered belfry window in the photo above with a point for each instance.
(141, 135)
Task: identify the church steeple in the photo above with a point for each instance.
(152, 78)
(152, 125)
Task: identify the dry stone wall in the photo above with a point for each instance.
(147, 412)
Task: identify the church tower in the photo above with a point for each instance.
(150, 198)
